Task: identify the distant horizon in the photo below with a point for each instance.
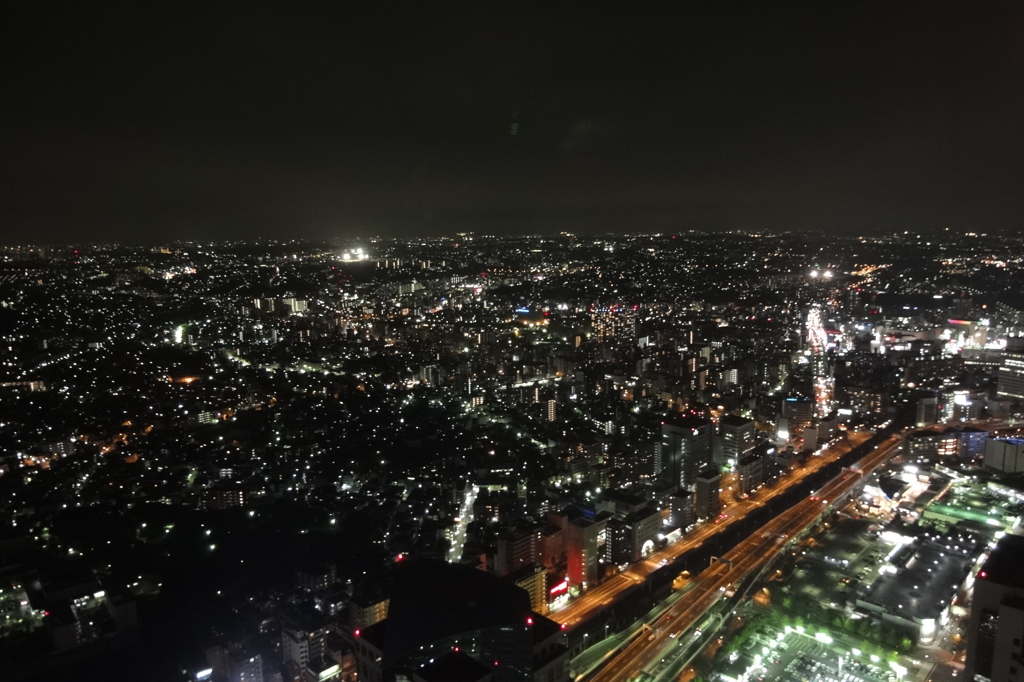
(490, 235)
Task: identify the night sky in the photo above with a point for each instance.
(153, 121)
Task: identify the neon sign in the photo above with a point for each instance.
(560, 587)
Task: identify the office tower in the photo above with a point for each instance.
(799, 412)
(707, 503)
(1011, 376)
(737, 439)
(927, 411)
(685, 449)
(750, 471)
(681, 510)
(1005, 455)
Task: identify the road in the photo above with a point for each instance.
(599, 597)
(747, 557)
(462, 522)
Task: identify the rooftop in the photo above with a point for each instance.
(1003, 564)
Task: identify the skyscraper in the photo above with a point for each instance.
(737, 439)
(708, 504)
(685, 449)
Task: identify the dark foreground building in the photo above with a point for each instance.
(996, 631)
(462, 624)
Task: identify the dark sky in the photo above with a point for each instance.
(160, 120)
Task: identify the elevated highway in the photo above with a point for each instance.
(600, 597)
(725, 580)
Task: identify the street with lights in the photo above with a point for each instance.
(723, 577)
(602, 595)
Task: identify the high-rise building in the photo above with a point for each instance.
(737, 439)
(995, 634)
(972, 443)
(1005, 455)
(1011, 376)
(581, 551)
(614, 323)
(750, 472)
(681, 510)
(517, 547)
(927, 411)
(685, 449)
(707, 501)
(799, 411)
(302, 639)
(534, 579)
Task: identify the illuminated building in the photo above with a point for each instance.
(799, 412)
(685, 449)
(365, 609)
(924, 444)
(632, 537)
(582, 552)
(518, 547)
(615, 322)
(302, 641)
(737, 439)
(750, 470)
(534, 579)
(222, 496)
(972, 442)
(681, 510)
(1011, 376)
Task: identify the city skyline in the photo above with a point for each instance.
(262, 460)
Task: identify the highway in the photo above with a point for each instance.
(602, 595)
(747, 557)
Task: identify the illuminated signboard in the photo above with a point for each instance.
(560, 587)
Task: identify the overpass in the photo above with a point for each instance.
(720, 587)
(741, 519)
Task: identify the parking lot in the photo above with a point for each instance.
(799, 658)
